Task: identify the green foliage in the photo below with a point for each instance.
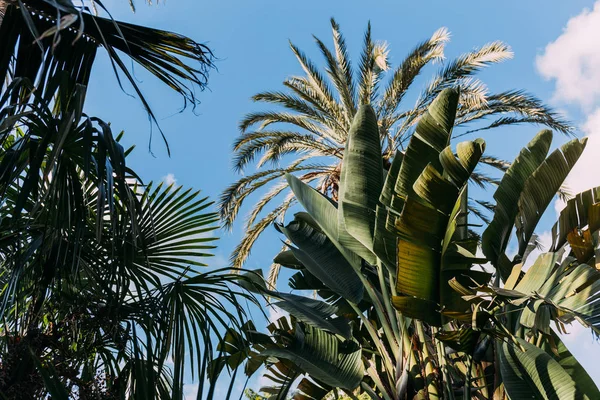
(439, 326)
(43, 40)
(102, 291)
(316, 114)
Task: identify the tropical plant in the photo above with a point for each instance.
(53, 44)
(403, 306)
(311, 124)
(102, 295)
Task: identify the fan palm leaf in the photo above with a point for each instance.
(44, 39)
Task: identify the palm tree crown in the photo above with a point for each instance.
(317, 110)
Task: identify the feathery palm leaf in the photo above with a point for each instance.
(317, 110)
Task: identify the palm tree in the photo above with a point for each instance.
(315, 113)
(54, 43)
(102, 291)
(100, 275)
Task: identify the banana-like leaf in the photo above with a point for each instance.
(385, 246)
(308, 390)
(579, 211)
(431, 182)
(463, 340)
(541, 187)
(427, 225)
(570, 364)
(413, 307)
(533, 373)
(324, 211)
(286, 258)
(432, 135)
(321, 258)
(385, 243)
(314, 312)
(360, 184)
(496, 236)
(387, 196)
(552, 290)
(323, 357)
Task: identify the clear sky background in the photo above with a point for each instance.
(557, 57)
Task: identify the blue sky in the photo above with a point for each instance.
(556, 45)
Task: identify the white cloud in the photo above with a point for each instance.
(583, 176)
(573, 62)
(573, 59)
(169, 179)
(190, 391)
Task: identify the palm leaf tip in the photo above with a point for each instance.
(442, 35)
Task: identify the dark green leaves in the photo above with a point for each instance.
(324, 357)
(314, 312)
(541, 187)
(431, 207)
(321, 258)
(431, 137)
(533, 373)
(360, 184)
(531, 182)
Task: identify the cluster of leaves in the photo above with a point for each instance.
(46, 39)
(311, 122)
(102, 291)
(403, 307)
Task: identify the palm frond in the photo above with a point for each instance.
(528, 107)
(232, 198)
(46, 49)
(315, 80)
(499, 164)
(275, 144)
(428, 51)
(343, 65)
(242, 250)
(296, 104)
(253, 230)
(302, 87)
(267, 118)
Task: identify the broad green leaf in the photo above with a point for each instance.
(323, 357)
(496, 236)
(387, 192)
(575, 215)
(314, 312)
(385, 245)
(541, 187)
(426, 229)
(421, 309)
(583, 381)
(324, 212)
(321, 258)
(550, 290)
(537, 274)
(361, 183)
(287, 259)
(463, 340)
(533, 373)
(432, 135)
